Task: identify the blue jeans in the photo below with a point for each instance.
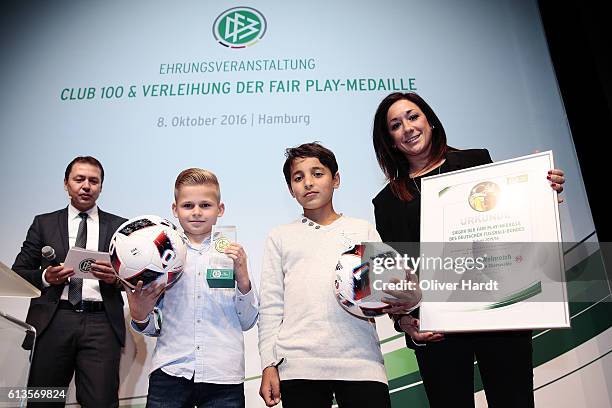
(167, 391)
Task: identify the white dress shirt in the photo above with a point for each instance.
(91, 287)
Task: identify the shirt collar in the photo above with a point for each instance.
(311, 224)
(73, 213)
(198, 247)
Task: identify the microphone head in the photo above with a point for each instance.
(48, 253)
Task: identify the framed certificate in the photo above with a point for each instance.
(491, 249)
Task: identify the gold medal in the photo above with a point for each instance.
(221, 244)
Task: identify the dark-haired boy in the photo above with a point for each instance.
(311, 349)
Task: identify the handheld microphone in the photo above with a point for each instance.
(49, 254)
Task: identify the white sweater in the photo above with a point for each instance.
(300, 319)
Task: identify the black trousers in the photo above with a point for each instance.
(320, 393)
(504, 360)
(84, 344)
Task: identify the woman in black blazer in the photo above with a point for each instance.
(410, 143)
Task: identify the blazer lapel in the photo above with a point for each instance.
(453, 161)
(103, 222)
(63, 228)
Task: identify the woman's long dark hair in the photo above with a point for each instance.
(392, 162)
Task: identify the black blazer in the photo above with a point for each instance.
(400, 221)
(52, 229)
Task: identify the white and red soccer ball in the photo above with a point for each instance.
(148, 248)
(355, 276)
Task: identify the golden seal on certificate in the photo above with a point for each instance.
(483, 196)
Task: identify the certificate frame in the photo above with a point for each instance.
(518, 190)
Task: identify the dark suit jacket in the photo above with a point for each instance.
(52, 229)
(400, 221)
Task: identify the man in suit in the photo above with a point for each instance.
(79, 322)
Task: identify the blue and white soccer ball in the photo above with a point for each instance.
(148, 248)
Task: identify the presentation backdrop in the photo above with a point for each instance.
(151, 88)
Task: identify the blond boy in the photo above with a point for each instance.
(199, 356)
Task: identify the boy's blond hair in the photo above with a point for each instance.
(196, 177)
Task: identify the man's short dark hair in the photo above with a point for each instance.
(314, 149)
(84, 159)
